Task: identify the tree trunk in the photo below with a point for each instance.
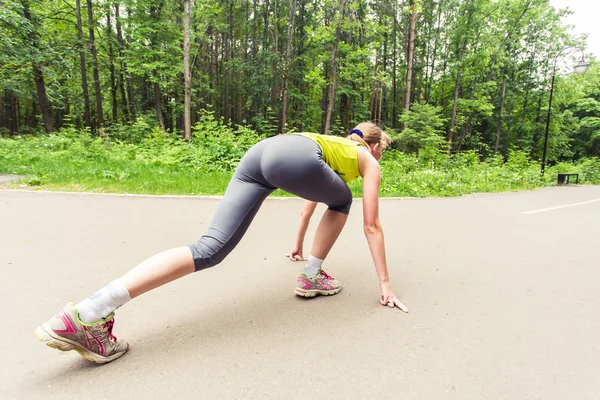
(2, 114)
(471, 116)
(254, 28)
(526, 101)
(288, 57)
(333, 61)
(411, 51)
(501, 116)
(266, 24)
(212, 75)
(99, 112)
(187, 122)
(266, 98)
(525, 106)
(538, 117)
(158, 102)
(300, 84)
(10, 113)
(126, 81)
(373, 98)
(443, 89)
(38, 76)
(154, 43)
(111, 65)
(509, 112)
(394, 64)
(255, 109)
(508, 126)
(456, 96)
(435, 44)
(227, 50)
(122, 82)
(274, 66)
(457, 87)
(384, 63)
(380, 103)
(40, 87)
(84, 84)
(464, 130)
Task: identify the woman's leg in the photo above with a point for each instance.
(87, 327)
(158, 270)
(328, 231)
(242, 199)
(245, 193)
(295, 164)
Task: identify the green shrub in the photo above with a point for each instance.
(142, 158)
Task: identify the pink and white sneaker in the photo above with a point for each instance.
(322, 284)
(94, 342)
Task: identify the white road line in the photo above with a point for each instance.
(558, 207)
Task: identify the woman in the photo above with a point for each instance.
(314, 167)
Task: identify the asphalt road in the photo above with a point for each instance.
(503, 292)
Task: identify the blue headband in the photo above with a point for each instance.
(357, 131)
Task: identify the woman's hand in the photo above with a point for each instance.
(307, 212)
(296, 254)
(389, 299)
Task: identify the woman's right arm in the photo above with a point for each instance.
(307, 212)
(371, 175)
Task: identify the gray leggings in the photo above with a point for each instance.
(289, 162)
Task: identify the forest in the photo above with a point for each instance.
(440, 76)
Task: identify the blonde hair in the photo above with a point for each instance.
(371, 134)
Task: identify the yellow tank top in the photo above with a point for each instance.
(339, 153)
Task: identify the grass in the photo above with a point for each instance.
(165, 165)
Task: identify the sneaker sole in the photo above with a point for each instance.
(47, 336)
(316, 292)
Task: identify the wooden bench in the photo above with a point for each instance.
(566, 177)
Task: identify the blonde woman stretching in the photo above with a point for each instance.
(314, 167)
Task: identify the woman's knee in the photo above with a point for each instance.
(343, 207)
(207, 254)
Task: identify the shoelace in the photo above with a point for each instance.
(109, 327)
(326, 276)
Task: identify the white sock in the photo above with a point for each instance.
(313, 266)
(102, 303)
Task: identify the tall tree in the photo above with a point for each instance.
(187, 122)
(38, 75)
(111, 62)
(288, 57)
(91, 25)
(501, 114)
(411, 54)
(333, 66)
(125, 84)
(459, 75)
(82, 63)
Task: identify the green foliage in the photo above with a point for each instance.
(219, 147)
(586, 111)
(407, 175)
(161, 162)
(464, 53)
(423, 128)
(587, 168)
